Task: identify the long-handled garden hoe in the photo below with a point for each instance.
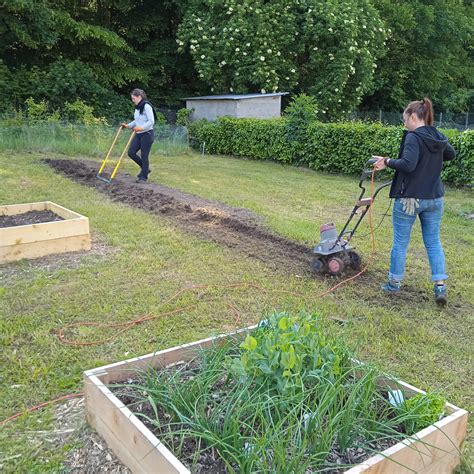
(101, 170)
(333, 254)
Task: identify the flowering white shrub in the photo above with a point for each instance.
(325, 48)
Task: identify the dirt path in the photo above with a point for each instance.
(238, 229)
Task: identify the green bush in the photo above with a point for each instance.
(332, 147)
(182, 117)
(461, 170)
(160, 118)
(252, 138)
(300, 114)
(39, 111)
(79, 112)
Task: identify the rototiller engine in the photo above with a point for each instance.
(333, 254)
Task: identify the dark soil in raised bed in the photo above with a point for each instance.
(30, 217)
(208, 461)
(238, 229)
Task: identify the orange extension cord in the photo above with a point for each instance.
(129, 324)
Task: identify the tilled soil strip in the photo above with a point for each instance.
(238, 229)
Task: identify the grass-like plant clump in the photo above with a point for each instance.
(289, 398)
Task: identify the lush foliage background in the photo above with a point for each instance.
(345, 53)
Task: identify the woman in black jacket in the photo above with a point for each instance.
(418, 191)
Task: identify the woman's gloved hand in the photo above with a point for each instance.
(138, 129)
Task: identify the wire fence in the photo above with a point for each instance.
(77, 139)
(459, 121)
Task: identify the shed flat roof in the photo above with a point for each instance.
(235, 96)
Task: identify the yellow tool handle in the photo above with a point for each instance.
(123, 154)
(110, 149)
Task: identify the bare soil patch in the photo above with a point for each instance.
(238, 229)
(28, 218)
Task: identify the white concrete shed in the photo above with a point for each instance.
(211, 107)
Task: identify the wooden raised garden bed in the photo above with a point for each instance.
(69, 233)
(435, 449)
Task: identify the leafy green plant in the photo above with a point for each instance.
(74, 112)
(160, 118)
(421, 411)
(36, 111)
(289, 352)
(302, 110)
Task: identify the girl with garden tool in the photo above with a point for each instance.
(418, 191)
(144, 119)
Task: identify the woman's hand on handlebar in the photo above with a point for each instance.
(380, 163)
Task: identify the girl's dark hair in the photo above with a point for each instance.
(139, 93)
(422, 108)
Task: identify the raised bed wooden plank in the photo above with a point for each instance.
(136, 447)
(436, 449)
(13, 209)
(54, 230)
(43, 248)
(62, 211)
(38, 240)
(446, 464)
(439, 444)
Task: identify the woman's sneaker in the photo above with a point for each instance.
(391, 286)
(440, 294)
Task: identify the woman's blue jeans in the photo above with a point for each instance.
(429, 212)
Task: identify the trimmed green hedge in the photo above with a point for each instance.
(340, 147)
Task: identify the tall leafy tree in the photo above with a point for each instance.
(150, 29)
(50, 51)
(326, 48)
(429, 53)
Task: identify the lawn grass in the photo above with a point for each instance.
(408, 336)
